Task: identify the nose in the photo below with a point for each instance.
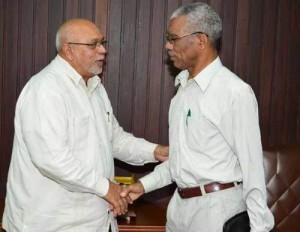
(168, 45)
(101, 49)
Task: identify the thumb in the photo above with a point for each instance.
(125, 191)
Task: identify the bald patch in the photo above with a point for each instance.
(72, 29)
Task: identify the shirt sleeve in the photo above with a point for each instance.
(159, 178)
(130, 149)
(248, 148)
(44, 126)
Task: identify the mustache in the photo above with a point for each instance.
(170, 53)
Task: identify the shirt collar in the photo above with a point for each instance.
(203, 78)
(75, 76)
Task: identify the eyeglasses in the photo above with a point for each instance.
(93, 45)
(173, 38)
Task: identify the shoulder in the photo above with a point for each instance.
(44, 84)
(228, 81)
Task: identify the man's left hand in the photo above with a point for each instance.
(161, 153)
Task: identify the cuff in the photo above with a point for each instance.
(147, 152)
(101, 187)
(149, 182)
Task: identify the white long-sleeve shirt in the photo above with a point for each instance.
(66, 137)
(214, 136)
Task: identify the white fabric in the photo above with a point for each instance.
(215, 137)
(65, 138)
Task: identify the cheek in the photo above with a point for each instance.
(187, 53)
(87, 59)
(181, 57)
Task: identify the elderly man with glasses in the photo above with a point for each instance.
(66, 137)
(215, 146)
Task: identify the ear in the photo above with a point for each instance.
(203, 40)
(67, 51)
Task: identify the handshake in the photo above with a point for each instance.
(119, 197)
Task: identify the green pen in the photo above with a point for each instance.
(189, 114)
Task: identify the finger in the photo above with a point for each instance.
(125, 203)
(128, 199)
(117, 207)
(120, 206)
(111, 207)
(125, 191)
(115, 213)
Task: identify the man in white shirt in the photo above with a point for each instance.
(215, 146)
(66, 136)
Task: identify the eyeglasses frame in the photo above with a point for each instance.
(173, 40)
(93, 45)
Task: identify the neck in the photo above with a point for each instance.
(85, 78)
(203, 61)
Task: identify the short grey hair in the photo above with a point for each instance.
(64, 33)
(61, 36)
(201, 17)
(58, 42)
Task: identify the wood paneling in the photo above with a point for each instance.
(3, 156)
(261, 44)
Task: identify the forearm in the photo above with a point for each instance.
(159, 178)
(126, 147)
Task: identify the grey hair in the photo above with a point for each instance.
(61, 36)
(201, 17)
(58, 41)
(64, 33)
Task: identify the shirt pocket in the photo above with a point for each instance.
(79, 131)
(199, 132)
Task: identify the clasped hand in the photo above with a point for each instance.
(119, 197)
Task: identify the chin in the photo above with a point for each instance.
(178, 66)
(96, 71)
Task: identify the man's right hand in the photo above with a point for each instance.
(118, 204)
(133, 191)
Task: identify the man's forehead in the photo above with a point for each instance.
(176, 25)
(88, 32)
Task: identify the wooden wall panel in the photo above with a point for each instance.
(25, 43)
(255, 45)
(56, 17)
(9, 83)
(3, 156)
(127, 64)
(114, 52)
(155, 71)
(260, 44)
(142, 52)
(101, 12)
(292, 108)
(228, 36)
(278, 100)
(71, 9)
(268, 62)
(86, 8)
(241, 51)
(40, 51)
